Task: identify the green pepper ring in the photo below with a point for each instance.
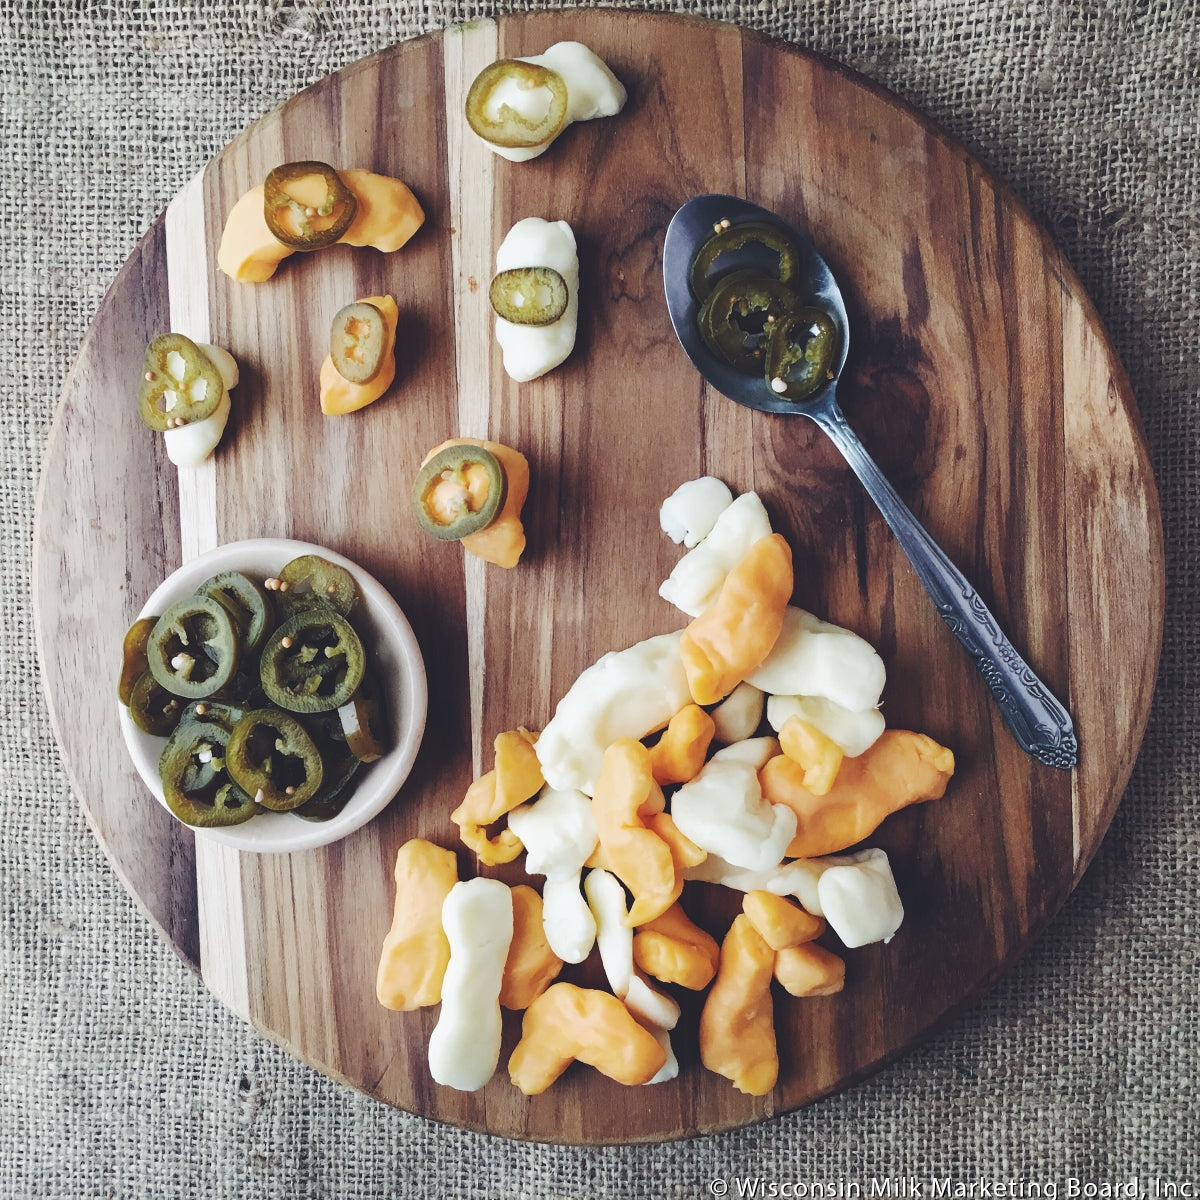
(513, 131)
(248, 602)
(158, 379)
(456, 459)
(259, 778)
(282, 673)
(134, 663)
(813, 353)
(743, 296)
(507, 286)
(226, 805)
(165, 642)
(357, 356)
(152, 708)
(275, 197)
(737, 237)
(311, 579)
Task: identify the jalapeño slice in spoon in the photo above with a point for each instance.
(306, 205)
(777, 255)
(529, 295)
(800, 353)
(517, 104)
(180, 383)
(737, 317)
(1040, 724)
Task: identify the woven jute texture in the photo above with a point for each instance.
(120, 1076)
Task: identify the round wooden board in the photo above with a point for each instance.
(979, 377)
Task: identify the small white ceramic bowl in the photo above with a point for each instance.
(395, 657)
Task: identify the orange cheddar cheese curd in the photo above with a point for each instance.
(416, 951)
(531, 965)
(679, 754)
(809, 970)
(819, 755)
(249, 252)
(737, 631)
(673, 949)
(516, 777)
(626, 795)
(338, 394)
(684, 851)
(388, 215)
(566, 1024)
(779, 922)
(503, 541)
(737, 1023)
(899, 769)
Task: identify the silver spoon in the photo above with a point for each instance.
(1041, 725)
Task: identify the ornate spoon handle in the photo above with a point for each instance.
(1041, 725)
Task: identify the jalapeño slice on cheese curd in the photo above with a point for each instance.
(518, 106)
(532, 350)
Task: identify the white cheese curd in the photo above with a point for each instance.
(464, 1048)
(858, 897)
(225, 363)
(670, 1068)
(814, 658)
(567, 920)
(688, 514)
(653, 1009)
(625, 693)
(592, 91)
(532, 350)
(694, 583)
(558, 831)
(614, 939)
(757, 752)
(724, 812)
(853, 732)
(797, 878)
(856, 893)
(739, 714)
(189, 445)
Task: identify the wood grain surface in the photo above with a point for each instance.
(979, 377)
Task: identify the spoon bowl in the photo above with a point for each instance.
(690, 228)
(1041, 725)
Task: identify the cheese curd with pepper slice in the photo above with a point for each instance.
(189, 445)
(387, 215)
(518, 107)
(530, 350)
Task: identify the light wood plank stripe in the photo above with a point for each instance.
(471, 170)
(218, 868)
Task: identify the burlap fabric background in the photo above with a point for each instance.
(120, 1076)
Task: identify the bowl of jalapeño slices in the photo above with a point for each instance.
(272, 695)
